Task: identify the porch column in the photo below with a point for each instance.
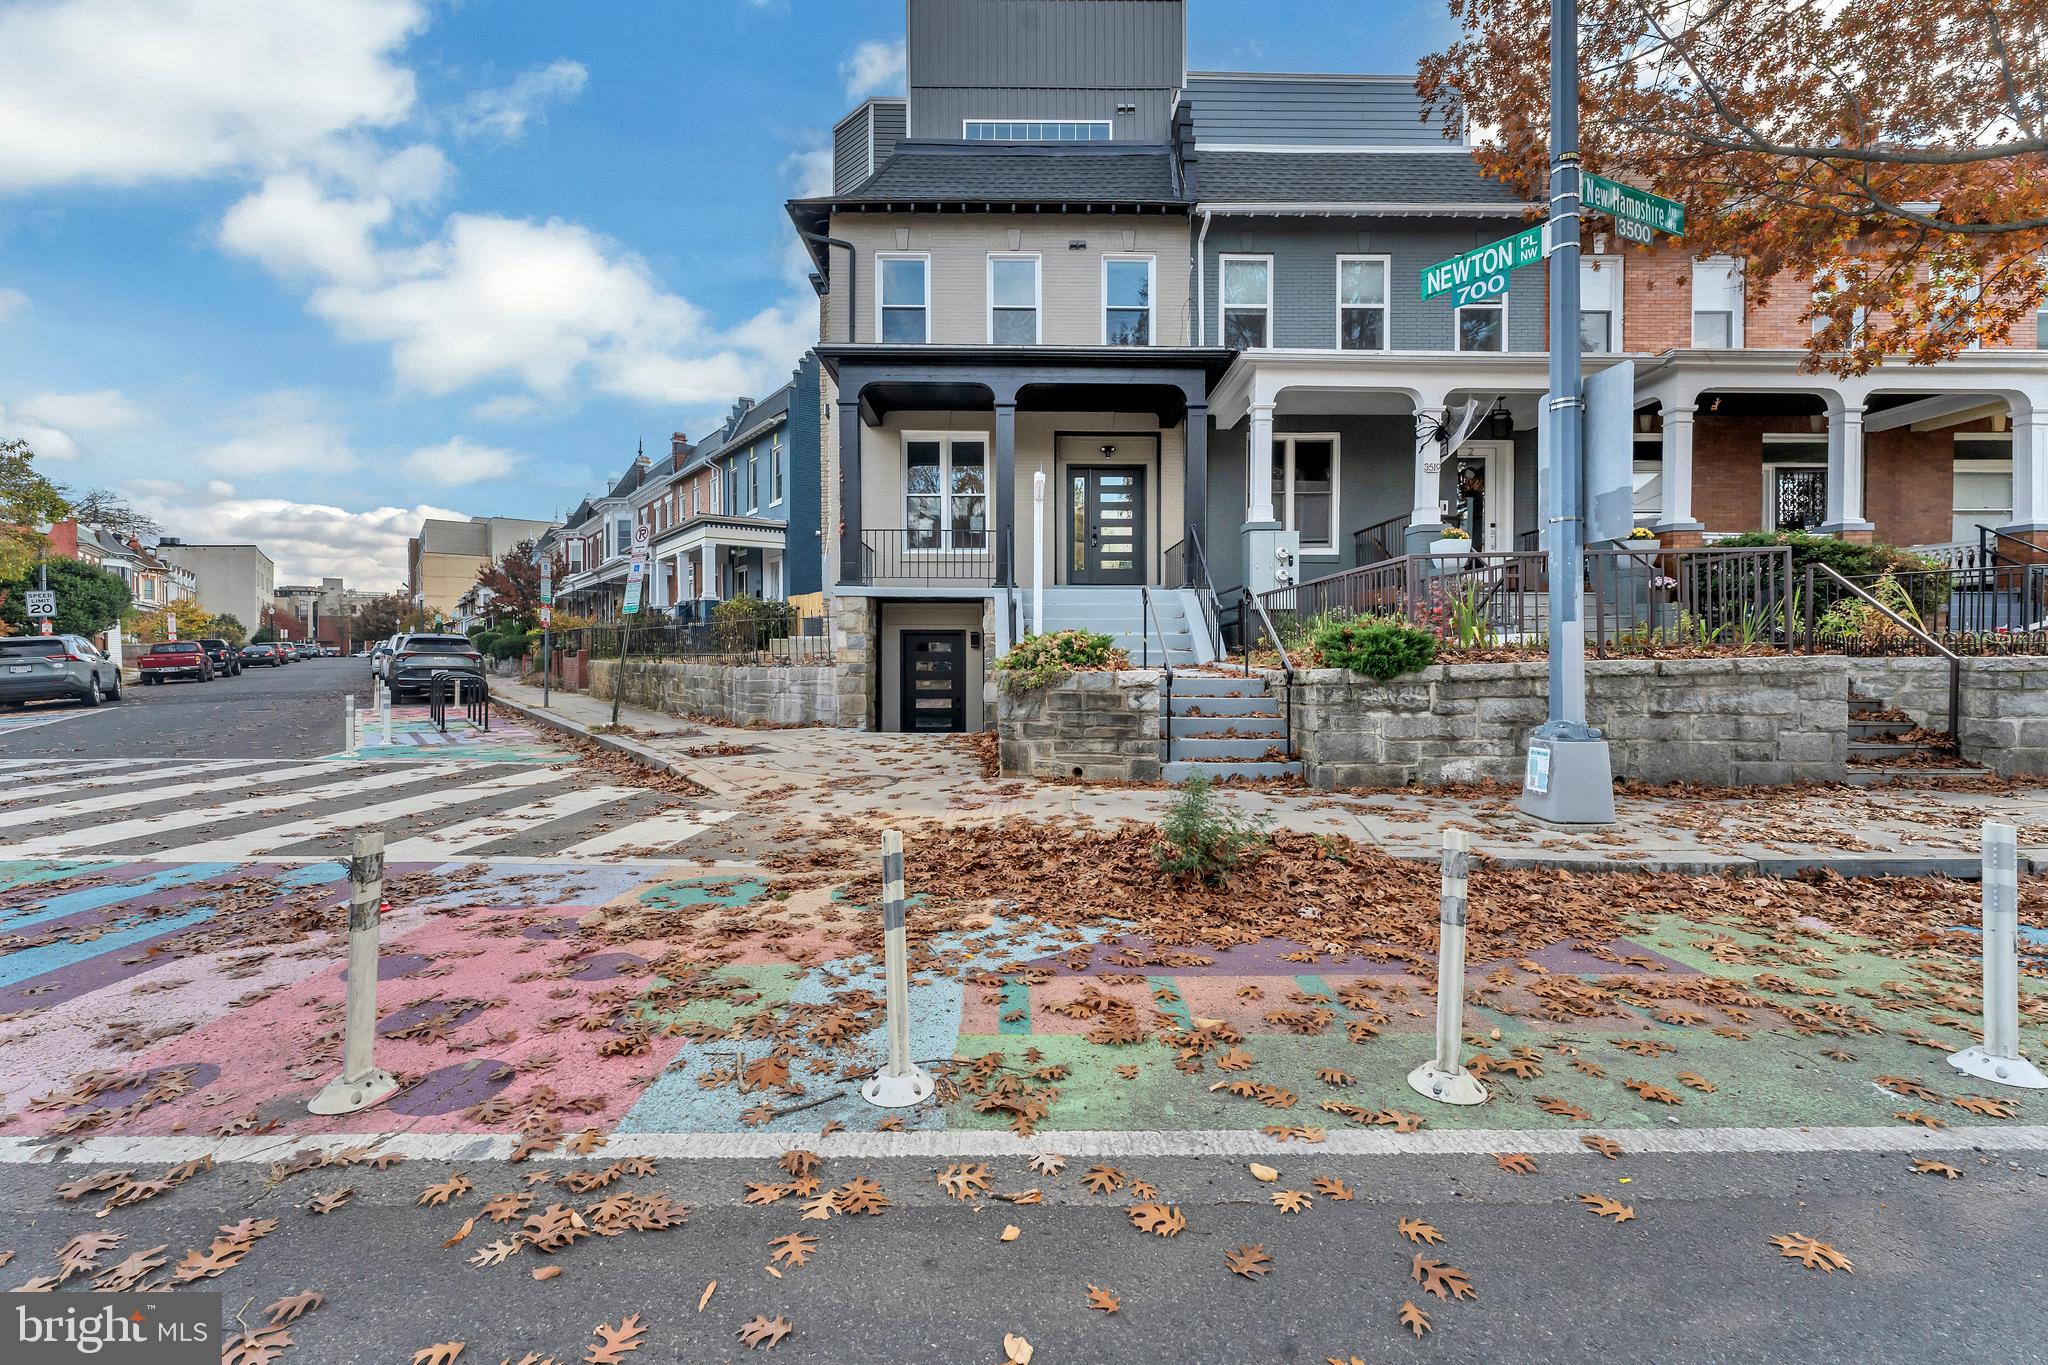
(1259, 468)
(1426, 517)
(1003, 488)
(2029, 474)
(1845, 474)
(1195, 477)
(851, 567)
(1677, 513)
(707, 583)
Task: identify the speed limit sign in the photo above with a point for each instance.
(42, 602)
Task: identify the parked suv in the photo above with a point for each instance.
(226, 659)
(175, 659)
(419, 657)
(45, 667)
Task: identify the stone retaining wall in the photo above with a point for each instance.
(1718, 722)
(801, 694)
(2004, 701)
(1097, 726)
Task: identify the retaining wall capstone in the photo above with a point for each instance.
(1097, 726)
(2004, 701)
(1716, 722)
(799, 694)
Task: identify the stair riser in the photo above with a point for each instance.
(1178, 771)
(1225, 706)
(1194, 750)
(1211, 727)
(1211, 686)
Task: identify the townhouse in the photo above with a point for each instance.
(1150, 337)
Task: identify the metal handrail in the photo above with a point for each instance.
(1150, 622)
(1955, 662)
(1987, 545)
(1380, 534)
(1286, 664)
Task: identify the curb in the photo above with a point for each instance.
(638, 753)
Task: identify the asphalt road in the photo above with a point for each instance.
(1943, 1270)
(289, 712)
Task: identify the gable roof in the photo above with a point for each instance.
(1394, 180)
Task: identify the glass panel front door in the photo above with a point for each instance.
(1106, 505)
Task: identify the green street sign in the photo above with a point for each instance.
(632, 604)
(1482, 273)
(1638, 214)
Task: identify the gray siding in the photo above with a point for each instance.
(1305, 255)
(1044, 59)
(1297, 111)
(1376, 463)
(863, 140)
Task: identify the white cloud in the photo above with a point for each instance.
(293, 228)
(506, 407)
(96, 410)
(125, 92)
(459, 461)
(809, 172)
(505, 111)
(48, 442)
(12, 301)
(280, 432)
(874, 68)
(308, 540)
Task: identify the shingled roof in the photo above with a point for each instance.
(1394, 179)
(1022, 173)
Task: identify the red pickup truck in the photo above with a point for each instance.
(175, 659)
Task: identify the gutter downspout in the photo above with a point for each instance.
(1202, 282)
(852, 273)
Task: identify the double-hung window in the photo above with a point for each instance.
(903, 295)
(1483, 326)
(775, 469)
(1305, 489)
(945, 492)
(1127, 300)
(1361, 303)
(753, 483)
(1247, 301)
(622, 536)
(1013, 300)
(1716, 303)
(732, 487)
(1600, 303)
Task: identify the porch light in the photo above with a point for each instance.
(1500, 423)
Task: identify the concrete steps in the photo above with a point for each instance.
(1878, 741)
(1120, 614)
(1222, 727)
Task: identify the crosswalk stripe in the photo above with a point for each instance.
(56, 780)
(657, 831)
(444, 797)
(445, 843)
(123, 831)
(40, 813)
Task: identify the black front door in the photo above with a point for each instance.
(934, 681)
(1106, 520)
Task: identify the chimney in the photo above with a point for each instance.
(679, 446)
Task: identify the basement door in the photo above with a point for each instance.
(934, 681)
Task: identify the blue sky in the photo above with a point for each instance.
(302, 271)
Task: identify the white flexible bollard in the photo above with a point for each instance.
(1442, 1077)
(384, 705)
(360, 1084)
(349, 743)
(901, 1082)
(1997, 1059)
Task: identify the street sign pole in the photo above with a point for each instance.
(1569, 778)
(547, 623)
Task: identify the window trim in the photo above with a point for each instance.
(1458, 333)
(1739, 298)
(1037, 294)
(1617, 336)
(1223, 309)
(1108, 127)
(1151, 262)
(1994, 465)
(753, 479)
(945, 440)
(1765, 509)
(775, 469)
(882, 258)
(1283, 506)
(1386, 305)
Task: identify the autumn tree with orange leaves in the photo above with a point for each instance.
(1889, 155)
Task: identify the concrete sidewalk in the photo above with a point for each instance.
(829, 777)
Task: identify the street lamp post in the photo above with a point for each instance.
(1569, 778)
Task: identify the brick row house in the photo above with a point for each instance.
(1157, 322)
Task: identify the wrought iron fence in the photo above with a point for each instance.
(1969, 607)
(738, 633)
(1631, 599)
(1381, 541)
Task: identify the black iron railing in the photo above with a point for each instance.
(732, 632)
(927, 555)
(1381, 541)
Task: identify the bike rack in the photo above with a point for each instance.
(445, 685)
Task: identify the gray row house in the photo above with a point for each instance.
(1157, 336)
